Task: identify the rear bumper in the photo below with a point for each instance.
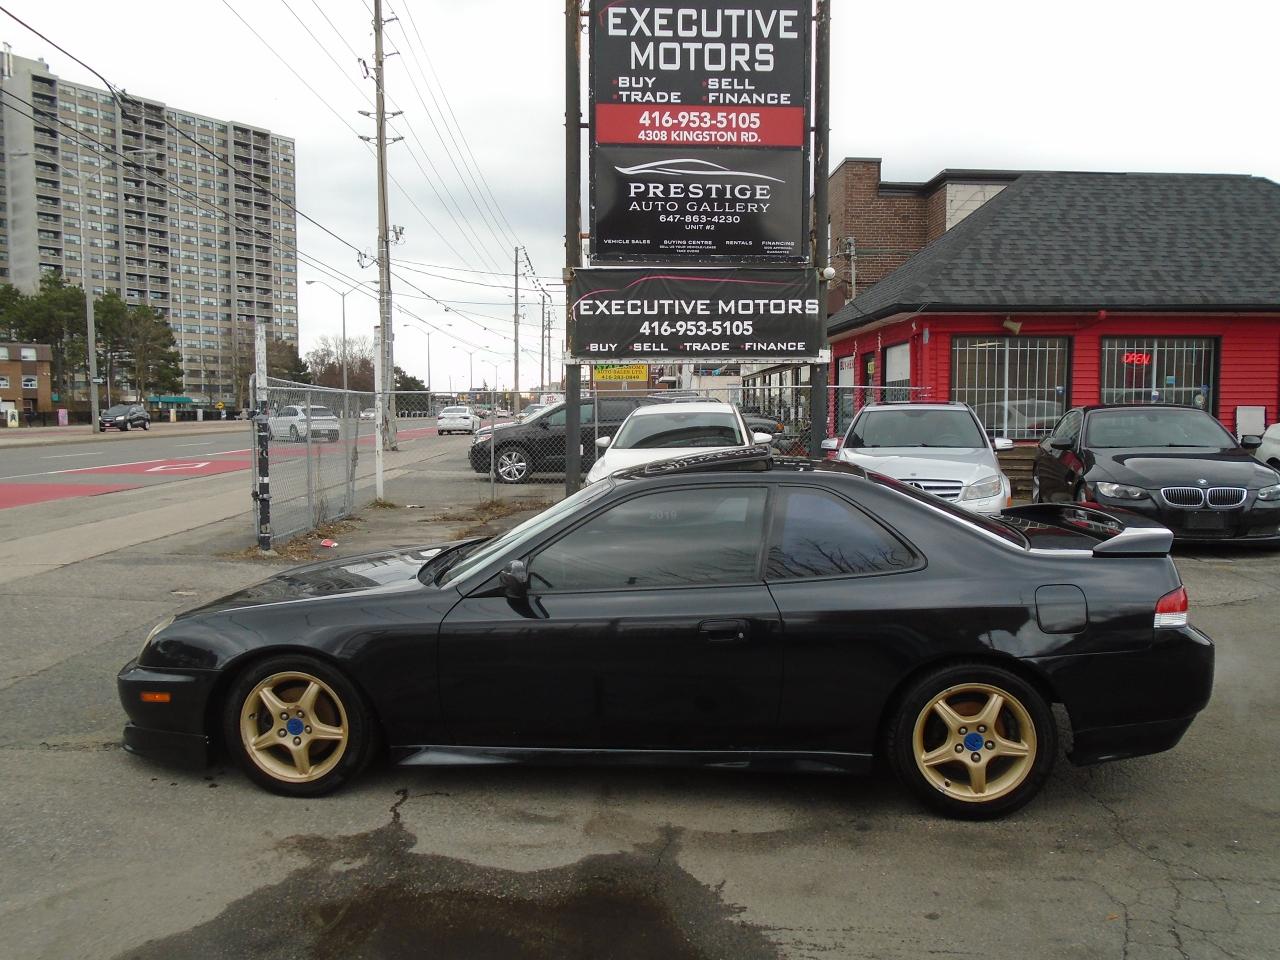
(1132, 703)
(174, 732)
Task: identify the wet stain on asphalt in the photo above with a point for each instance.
(369, 896)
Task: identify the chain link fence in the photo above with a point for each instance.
(468, 447)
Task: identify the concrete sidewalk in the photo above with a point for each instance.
(80, 433)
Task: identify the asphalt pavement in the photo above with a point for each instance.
(108, 856)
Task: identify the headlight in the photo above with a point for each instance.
(1270, 493)
(1120, 491)
(152, 635)
(984, 489)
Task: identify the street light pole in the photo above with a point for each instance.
(93, 357)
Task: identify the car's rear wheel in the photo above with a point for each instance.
(513, 465)
(297, 726)
(293, 433)
(973, 741)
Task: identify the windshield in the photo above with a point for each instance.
(514, 538)
(453, 411)
(916, 428)
(1155, 427)
(673, 430)
(321, 412)
(116, 410)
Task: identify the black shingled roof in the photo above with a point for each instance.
(1087, 241)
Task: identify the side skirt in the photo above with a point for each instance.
(780, 760)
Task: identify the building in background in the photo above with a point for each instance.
(25, 379)
(203, 230)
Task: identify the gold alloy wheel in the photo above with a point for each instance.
(294, 727)
(974, 742)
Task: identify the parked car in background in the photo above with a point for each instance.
(940, 448)
(124, 416)
(538, 445)
(1269, 450)
(369, 413)
(298, 422)
(532, 410)
(1019, 418)
(664, 430)
(457, 420)
(1175, 464)
(641, 622)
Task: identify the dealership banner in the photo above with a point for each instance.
(700, 131)
(710, 313)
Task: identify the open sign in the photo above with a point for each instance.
(1139, 359)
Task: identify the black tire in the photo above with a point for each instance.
(124, 427)
(1081, 493)
(146, 424)
(916, 732)
(338, 706)
(293, 433)
(1273, 463)
(1035, 488)
(102, 429)
(512, 465)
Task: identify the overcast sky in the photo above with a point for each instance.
(1164, 85)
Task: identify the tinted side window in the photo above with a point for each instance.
(816, 534)
(559, 417)
(675, 538)
(1068, 427)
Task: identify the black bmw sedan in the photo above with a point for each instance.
(731, 610)
(1177, 465)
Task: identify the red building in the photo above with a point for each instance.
(1039, 291)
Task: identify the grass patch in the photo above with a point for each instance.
(384, 505)
(482, 513)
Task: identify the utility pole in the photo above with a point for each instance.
(515, 322)
(572, 233)
(542, 342)
(93, 357)
(386, 422)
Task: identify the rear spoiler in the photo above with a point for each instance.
(1121, 533)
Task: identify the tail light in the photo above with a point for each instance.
(1171, 609)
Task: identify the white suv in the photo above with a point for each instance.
(939, 447)
(297, 422)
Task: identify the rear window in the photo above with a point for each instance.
(1001, 530)
(679, 430)
(321, 412)
(453, 411)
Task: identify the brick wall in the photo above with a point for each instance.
(888, 226)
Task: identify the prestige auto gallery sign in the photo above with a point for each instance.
(697, 313)
(699, 131)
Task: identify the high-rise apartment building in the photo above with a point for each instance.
(190, 215)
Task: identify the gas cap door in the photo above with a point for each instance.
(1061, 608)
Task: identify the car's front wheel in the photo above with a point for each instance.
(146, 424)
(513, 465)
(297, 726)
(294, 435)
(973, 741)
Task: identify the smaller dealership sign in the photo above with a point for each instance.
(630, 371)
(694, 314)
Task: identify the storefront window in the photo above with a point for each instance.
(897, 373)
(1016, 385)
(1159, 370)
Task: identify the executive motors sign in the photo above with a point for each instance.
(700, 131)
(692, 314)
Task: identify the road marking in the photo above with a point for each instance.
(64, 456)
(184, 465)
(53, 473)
(207, 443)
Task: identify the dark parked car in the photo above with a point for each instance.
(728, 610)
(1175, 464)
(124, 416)
(537, 445)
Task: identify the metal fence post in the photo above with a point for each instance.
(493, 442)
(311, 480)
(262, 491)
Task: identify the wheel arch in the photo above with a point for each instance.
(236, 667)
(992, 658)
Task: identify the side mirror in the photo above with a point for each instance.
(1251, 441)
(1061, 444)
(1002, 443)
(831, 443)
(603, 442)
(762, 439)
(515, 580)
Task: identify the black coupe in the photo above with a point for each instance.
(1177, 465)
(733, 610)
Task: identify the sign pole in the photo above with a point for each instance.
(818, 394)
(572, 235)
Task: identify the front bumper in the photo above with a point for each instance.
(480, 456)
(175, 732)
(1255, 521)
(1134, 702)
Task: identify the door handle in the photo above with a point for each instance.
(724, 631)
